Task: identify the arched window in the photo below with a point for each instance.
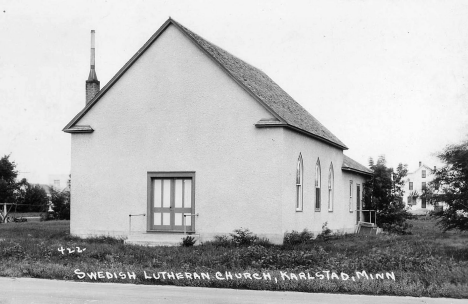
(330, 188)
(299, 190)
(318, 182)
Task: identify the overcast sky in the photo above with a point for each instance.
(386, 77)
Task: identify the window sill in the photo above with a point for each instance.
(317, 209)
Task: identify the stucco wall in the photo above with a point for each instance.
(340, 219)
(175, 110)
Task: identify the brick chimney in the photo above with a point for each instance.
(92, 84)
(420, 164)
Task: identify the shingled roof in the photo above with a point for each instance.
(289, 113)
(350, 164)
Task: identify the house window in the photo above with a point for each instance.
(330, 188)
(299, 183)
(56, 183)
(350, 196)
(410, 201)
(423, 172)
(318, 182)
(423, 186)
(411, 185)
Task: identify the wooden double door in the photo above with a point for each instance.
(171, 199)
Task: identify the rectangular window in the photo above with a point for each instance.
(423, 172)
(411, 185)
(350, 196)
(409, 201)
(423, 186)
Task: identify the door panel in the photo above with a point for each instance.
(171, 198)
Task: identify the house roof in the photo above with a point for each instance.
(350, 164)
(423, 166)
(289, 113)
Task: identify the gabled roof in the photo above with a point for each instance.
(350, 164)
(288, 112)
(423, 166)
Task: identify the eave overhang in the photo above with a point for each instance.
(357, 171)
(276, 123)
(79, 129)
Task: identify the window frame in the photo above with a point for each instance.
(331, 186)
(299, 184)
(423, 173)
(410, 186)
(318, 186)
(350, 196)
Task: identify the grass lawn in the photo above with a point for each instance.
(426, 263)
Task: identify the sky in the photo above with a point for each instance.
(386, 77)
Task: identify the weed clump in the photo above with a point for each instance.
(326, 233)
(294, 238)
(243, 237)
(188, 241)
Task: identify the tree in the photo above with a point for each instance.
(384, 193)
(60, 204)
(32, 198)
(9, 187)
(450, 185)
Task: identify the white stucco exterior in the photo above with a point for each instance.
(176, 110)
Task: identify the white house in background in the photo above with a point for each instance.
(58, 181)
(186, 132)
(415, 184)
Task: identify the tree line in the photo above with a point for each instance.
(22, 196)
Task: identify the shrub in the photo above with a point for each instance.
(243, 237)
(326, 232)
(188, 241)
(295, 238)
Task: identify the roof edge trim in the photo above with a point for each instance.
(271, 124)
(79, 129)
(356, 171)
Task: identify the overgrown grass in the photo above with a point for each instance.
(426, 263)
